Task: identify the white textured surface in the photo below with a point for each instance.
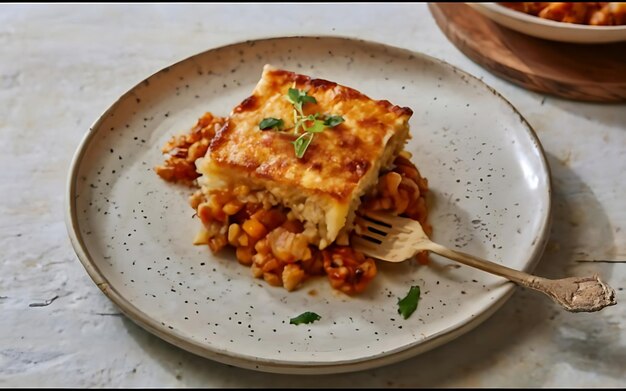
(62, 65)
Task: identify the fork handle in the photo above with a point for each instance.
(516, 276)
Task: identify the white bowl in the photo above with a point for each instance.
(549, 29)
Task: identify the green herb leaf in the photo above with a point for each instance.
(302, 143)
(317, 127)
(306, 317)
(293, 95)
(308, 99)
(270, 123)
(408, 305)
(298, 98)
(333, 120)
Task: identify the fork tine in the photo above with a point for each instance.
(362, 220)
(390, 223)
(377, 231)
(364, 245)
(379, 251)
(380, 218)
(374, 235)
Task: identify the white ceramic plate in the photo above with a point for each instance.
(133, 232)
(550, 29)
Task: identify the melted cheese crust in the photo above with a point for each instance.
(340, 164)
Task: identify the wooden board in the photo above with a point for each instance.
(575, 71)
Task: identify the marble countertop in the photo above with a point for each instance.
(62, 65)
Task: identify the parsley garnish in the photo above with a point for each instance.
(311, 123)
(408, 305)
(298, 98)
(271, 123)
(306, 317)
(302, 143)
(333, 120)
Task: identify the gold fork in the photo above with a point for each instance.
(396, 239)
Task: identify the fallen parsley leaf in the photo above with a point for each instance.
(306, 317)
(270, 123)
(333, 120)
(408, 305)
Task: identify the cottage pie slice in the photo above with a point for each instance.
(324, 186)
(282, 177)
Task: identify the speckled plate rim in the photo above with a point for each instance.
(281, 366)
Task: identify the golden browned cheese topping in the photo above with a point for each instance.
(337, 158)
